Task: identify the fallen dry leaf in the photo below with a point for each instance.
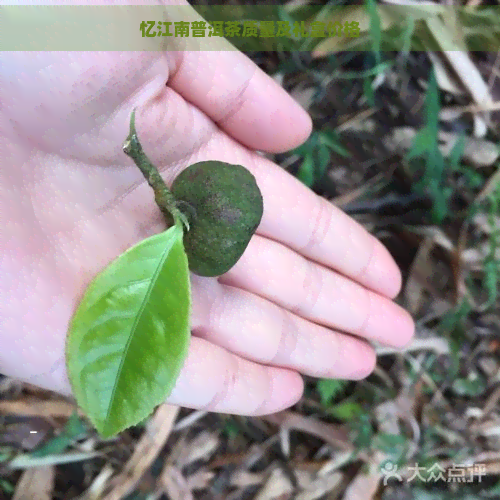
(37, 408)
(36, 484)
(201, 447)
(330, 433)
(479, 152)
(277, 485)
(99, 484)
(243, 479)
(365, 485)
(200, 479)
(174, 484)
(419, 274)
(154, 438)
(317, 486)
(444, 77)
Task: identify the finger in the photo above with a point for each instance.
(261, 331)
(317, 229)
(236, 94)
(217, 380)
(314, 292)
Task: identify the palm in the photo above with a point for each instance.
(79, 202)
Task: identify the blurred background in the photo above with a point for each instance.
(406, 140)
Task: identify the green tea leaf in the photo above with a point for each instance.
(129, 337)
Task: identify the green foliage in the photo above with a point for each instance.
(452, 319)
(493, 492)
(224, 207)
(75, 427)
(421, 494)
(306, 171)
(492, 264)
(7, 486)
(231, 429)
(129, 337)
(471, 177)
(346, 410)
(456, 153)
(138, 495)
(368, 90)
(490, 279)
(491, 206)
(362, 431)
(481, 27)
(394, 446)
(355, 75)
(407, 34)
(426, 146)
(473, 385)
(316, 155)
(329, 389)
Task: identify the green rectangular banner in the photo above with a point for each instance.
(322, 29)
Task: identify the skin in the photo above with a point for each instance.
(310, 293)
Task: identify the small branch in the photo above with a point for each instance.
(163, 197)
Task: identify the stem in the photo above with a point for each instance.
(163, 196)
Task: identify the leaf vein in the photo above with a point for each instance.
(152, 283)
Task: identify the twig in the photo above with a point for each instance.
(163, 197)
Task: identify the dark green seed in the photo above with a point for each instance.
(224, 206)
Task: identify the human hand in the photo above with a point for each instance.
(310, 291)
